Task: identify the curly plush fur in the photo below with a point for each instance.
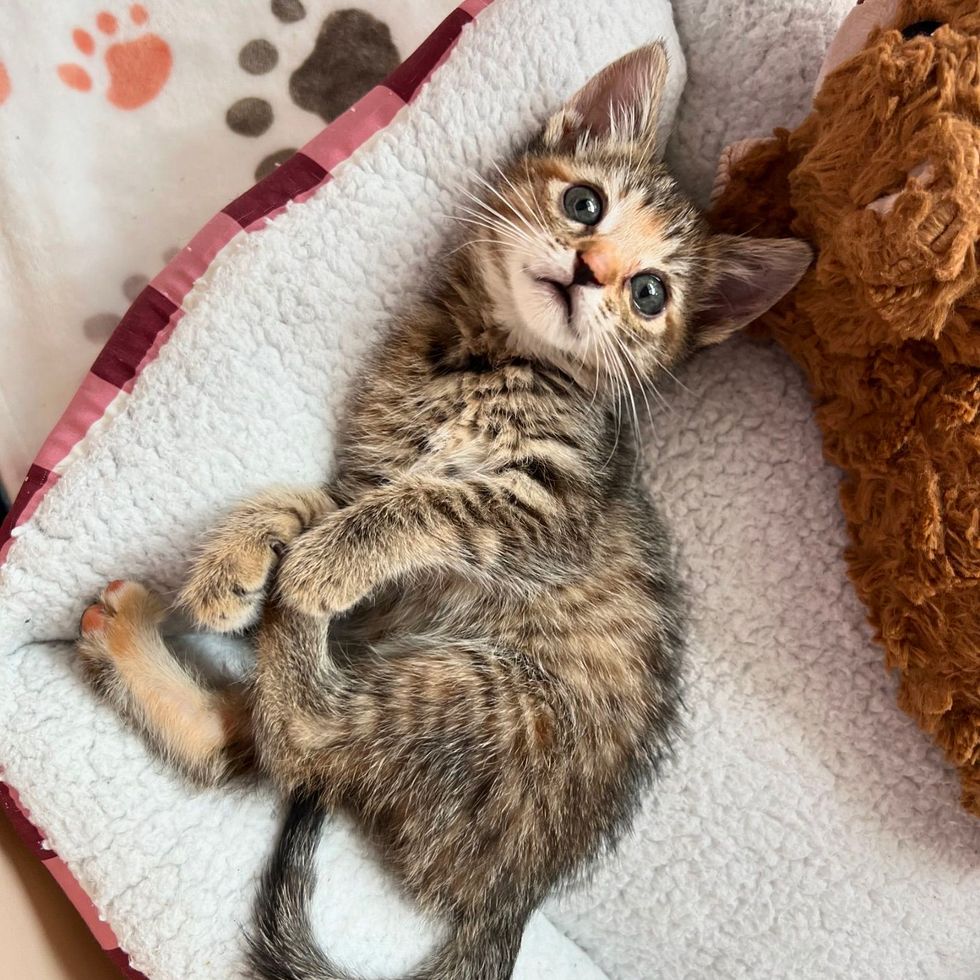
(884, 178)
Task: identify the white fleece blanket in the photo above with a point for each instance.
(806, 830)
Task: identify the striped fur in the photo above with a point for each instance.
(472, 639)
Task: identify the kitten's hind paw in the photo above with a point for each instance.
(110, 627)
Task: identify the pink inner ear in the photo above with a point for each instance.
(598, 104)
(762, 277)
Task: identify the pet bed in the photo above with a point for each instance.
(805, 829)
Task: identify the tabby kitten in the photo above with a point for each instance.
(470, 640)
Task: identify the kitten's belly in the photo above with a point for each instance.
(441, 608)
(545, 620)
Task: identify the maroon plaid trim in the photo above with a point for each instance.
(25, 830)
(290, 179)
(408, 77)
(37, 476)
(122, 355)
(120, 961)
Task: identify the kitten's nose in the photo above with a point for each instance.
(583, 275)
(592, 268)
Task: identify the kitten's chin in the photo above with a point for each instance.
(544, 317)
(539, 316)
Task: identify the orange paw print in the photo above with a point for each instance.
(137, 69)
(4, 83)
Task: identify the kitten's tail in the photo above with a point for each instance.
(282, 944)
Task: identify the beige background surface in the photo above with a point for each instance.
(41, 935)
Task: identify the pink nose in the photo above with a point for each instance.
(595, 266)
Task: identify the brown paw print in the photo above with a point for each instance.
(352, 53)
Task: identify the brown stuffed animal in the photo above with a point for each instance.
(884, 179)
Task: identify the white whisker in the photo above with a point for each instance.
(480, 202)
(535, 212)
(484, 223)
(628, 389)
(496, 191)
(630, 362)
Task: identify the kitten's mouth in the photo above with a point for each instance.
(560, 291)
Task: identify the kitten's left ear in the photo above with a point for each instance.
(751, 275)
(621, 104)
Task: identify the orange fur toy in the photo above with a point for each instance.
(884, 179)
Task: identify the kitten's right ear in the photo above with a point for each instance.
(620, 104)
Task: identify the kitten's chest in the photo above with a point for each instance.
(455, 448)
(416, 433)
(460, 424)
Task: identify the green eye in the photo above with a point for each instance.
(583, 204)
(649, 293)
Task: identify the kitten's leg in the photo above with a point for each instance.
(205, 733)
(227, 581)
(529, 518)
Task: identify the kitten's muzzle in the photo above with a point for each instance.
(583, 274)
(561, 290)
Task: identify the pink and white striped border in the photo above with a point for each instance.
(152, 319)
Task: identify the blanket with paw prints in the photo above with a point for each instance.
(123, 127)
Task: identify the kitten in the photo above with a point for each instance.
(471, 639)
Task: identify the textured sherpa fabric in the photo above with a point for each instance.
(245, 393)
(883, 178)
(751, 67)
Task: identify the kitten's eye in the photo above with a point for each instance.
(583, 204)
(649, 293)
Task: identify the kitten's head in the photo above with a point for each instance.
(592, 255)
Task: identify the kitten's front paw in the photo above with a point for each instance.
(309, 582)
(227, 584)
(110, 628)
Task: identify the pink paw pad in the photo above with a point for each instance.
(93, 619)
